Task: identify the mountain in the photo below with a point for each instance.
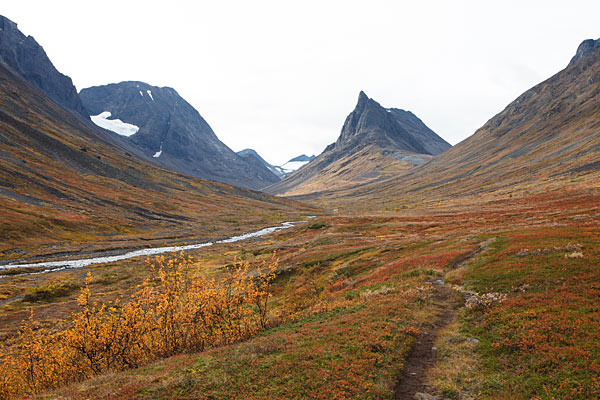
(24, 56)
(375, 143)
(66, 186)
(545, 139)
(370, 123)
(251, 156)
(280, 170)
(170, 132)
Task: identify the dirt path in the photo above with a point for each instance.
(422, 356)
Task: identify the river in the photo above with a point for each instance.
(53, 266)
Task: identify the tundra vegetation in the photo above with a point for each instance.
(343, 308)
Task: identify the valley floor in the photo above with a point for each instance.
(486, 301)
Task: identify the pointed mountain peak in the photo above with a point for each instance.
(363, 102)
(584, 49)
(371, 124)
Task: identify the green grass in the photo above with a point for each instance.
(50, 292)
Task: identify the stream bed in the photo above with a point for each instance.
(52, 266)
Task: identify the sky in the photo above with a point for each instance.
(281, 76)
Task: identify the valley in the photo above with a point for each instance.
(142, 258)
(374, 278)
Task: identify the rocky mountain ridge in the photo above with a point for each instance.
(585, 48)
(23, 55)
(374, 143)
(545, 139)
(171, 132)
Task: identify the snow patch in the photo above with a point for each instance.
(114, 125)
(159, 152)
(150, 94)
(292, 166)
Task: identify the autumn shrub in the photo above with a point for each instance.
(175, 310)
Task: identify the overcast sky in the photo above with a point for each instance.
(281, 76)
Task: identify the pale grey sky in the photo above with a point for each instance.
(281, 76)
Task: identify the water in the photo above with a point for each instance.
(52, 266)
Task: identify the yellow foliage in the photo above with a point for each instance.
(174, 311)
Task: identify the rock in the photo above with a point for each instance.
(425, 396)
(584, 49)
(389, 128)
(370, 132)
(24, 56)
(174, 134)
(485, 300)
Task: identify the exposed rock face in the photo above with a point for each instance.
(23, 55)
(370, 123)
(303, 158)
(428, 139)
(172, 133)
(584, 49)
(60, 178)
(375, 143)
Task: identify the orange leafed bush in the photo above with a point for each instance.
(174, 311)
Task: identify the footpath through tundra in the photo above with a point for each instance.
(414, 382)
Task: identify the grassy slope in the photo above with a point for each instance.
(369, 164)
(542, 341)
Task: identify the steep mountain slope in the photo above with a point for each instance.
(170, 132)
(64, 185)
(27, 58)
(547, 138)
(375, 143)
(280, 170)
(251, 156)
